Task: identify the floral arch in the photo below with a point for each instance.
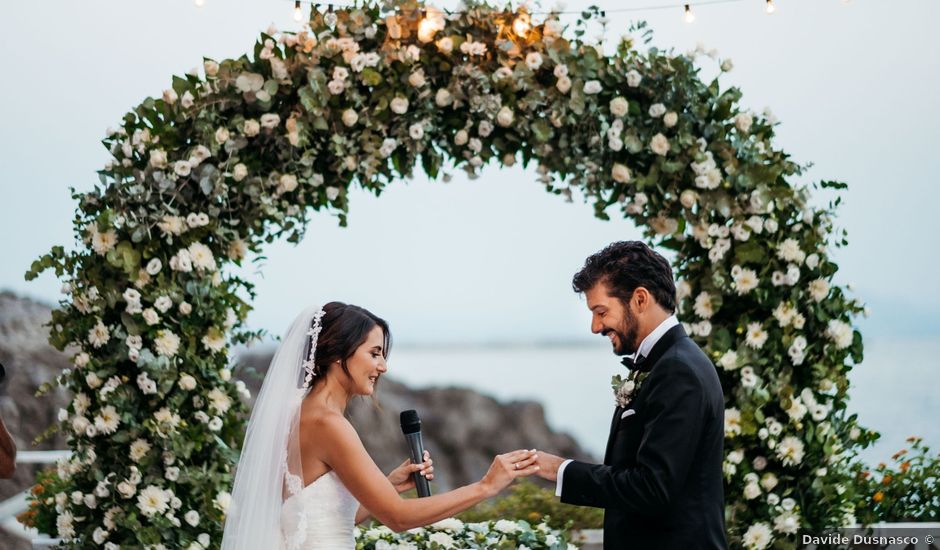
(226, 161)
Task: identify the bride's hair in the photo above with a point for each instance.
(344, 328)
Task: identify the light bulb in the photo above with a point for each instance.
(298, 13)
(200, 3)
(426, 30)
(771, 7)
(521, 25)
(689, 16)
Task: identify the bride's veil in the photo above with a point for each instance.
(269, 471)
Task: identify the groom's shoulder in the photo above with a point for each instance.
(685, 357)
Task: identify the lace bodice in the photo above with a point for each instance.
(321, 516)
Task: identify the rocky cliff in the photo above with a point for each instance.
(463, 429)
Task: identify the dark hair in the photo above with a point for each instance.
(344, 328)
(624, 266)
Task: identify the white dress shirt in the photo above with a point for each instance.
(646, 346)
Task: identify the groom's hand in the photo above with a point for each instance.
(548, 466)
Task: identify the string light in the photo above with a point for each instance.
(298, 13)
(522, 24)
(771, 7)
(426, 30)
(689, 16)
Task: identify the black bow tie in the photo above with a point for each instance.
(640, 363)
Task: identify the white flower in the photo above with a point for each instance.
(443, 97)
(732, 422)
(249, 82)
(151, 317)
(461, 137)
(756, 336)
(187, 382)
(758, 536)
(222, 501)
(840, 332)
(99, 335)
(158, 159)
(204, 539)
(797, 350)
(332, 193)
(743, 122)
(202, 257)
(633, 78)
(703, 305)
(101, 242)
(450, 524)
(170, 96)
(727, 65)
(505, 117)
(399, 105)
(192, 518)
(620, 173)
(592, 87)
(251, 128)
(659, 144)
(416, 131)
(751, 491)
(506, 526)
(185, 308)
(219, 401)
(702, 328)
(270, 120)
(619, 106)
(473, 48)
(107, 420)
(812, 261)
(446, 45)
(350, 117)
(670, 119)
(181, 261)
(336, 87)
(790, 451)
(563, 84)
(146, 385)
(172, 473)
(745, 281)
(166, 343)
(65, 525)
(771, 225)
(789, 251)
(533, 60)
(152, 501)
(182, 168)
(215, 424)
(729, 361)
(657, 110)
(819, 289)
(787, 522)
(139, 449)
(214, 340)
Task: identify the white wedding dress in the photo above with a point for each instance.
(320, 516)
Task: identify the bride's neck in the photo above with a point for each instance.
(332, 395)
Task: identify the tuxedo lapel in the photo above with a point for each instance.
(613, 430)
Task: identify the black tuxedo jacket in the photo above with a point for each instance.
(661, 481)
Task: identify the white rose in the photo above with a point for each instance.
(563, 85)
(187, 382)
(446, 45)
(151, 317)
(399, 105)
(505, 117)
(743, 122)
(158, 158)
(592, 87)
(182, 168)
(657, 110)
(222, 135)
(350, 117)
(417, 79)
(170, 96)
(416, 131)
(443, 97)
(620, 173)
(688, 198)
(533, 60)
(659, 145)
(670, 119)
(270, 120)
(633, 78)
(251, 128)
(332, 193)
(619, 106)
(240, 172)
(727, 65)
(461, 137)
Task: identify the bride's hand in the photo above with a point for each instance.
(507, 467)
(401, 476)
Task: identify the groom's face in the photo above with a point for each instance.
(612, 318)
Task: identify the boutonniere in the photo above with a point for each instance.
(626, 388)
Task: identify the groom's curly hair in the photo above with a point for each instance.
(625, 266)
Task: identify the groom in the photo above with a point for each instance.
(661, 481)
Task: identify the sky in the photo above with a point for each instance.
(854, 85)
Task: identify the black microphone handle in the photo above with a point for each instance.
(417, 457)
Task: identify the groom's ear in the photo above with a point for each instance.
(642, 299)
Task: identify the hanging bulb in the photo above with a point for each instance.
(689, 16)
(426, 29)
(199, 3)
(298, 13)
(771, 7)
(522, 25)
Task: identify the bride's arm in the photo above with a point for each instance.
(402, 479)
(346, 455)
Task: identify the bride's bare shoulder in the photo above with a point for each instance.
(325, 422)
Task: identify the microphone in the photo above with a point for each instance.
(411, 427)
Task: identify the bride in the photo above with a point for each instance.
(304, 479)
